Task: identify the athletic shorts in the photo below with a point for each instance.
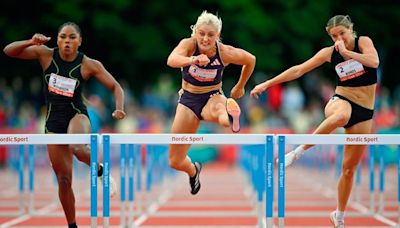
(196, 102)
(59, 115)
(358, 113)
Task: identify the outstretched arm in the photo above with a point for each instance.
(28, 49)
(97, 69)
(295, 72)
(239, 57)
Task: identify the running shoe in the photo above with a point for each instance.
(195, 181)
(233, 110)
(335, 222)
(113, 185)
(290, 158)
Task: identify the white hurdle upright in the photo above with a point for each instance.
(212, 139)
(332, 139)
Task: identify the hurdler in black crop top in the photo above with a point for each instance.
(350, 72)
(64, 80)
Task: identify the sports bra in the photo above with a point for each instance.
(350, 72)
(208, 75)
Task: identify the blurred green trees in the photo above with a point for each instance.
(134, 38)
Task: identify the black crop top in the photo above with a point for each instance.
(64, 80)
(350, 72)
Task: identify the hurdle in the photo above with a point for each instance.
(46, 139)
(332, 139)
(209, 139)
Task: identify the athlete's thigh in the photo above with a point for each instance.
(61, 159)
(79, 124)
(214, 105)
(185, 121)
(353, 153)
(364, 127)
(337, 105)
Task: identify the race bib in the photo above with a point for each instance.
(202, 75)
(349, 69)
(62, 85)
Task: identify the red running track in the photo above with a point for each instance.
(225, 200)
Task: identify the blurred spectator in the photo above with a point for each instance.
(293, 99)
(386, 116)
(275, 94)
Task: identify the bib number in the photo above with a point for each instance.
(61, 85)
(202, 75)
(349, 69)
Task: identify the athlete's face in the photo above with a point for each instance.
(342, 33)
(69, 40)
(206, 36)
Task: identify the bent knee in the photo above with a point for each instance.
(80, 123)
(79, 151)
(348, 172)
(75, 148)
(64, 182)
(341, 119)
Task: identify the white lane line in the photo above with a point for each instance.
(25, 217)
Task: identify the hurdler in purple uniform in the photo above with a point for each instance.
(203, 58)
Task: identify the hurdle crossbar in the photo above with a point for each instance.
(166, 139)
(342, 139)
(44, 139)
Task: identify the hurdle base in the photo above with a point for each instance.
(281, 222)
(372, 202)
(93, 222)
(270, 223)
(260, 213)
(123, 216)
(106, 222)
